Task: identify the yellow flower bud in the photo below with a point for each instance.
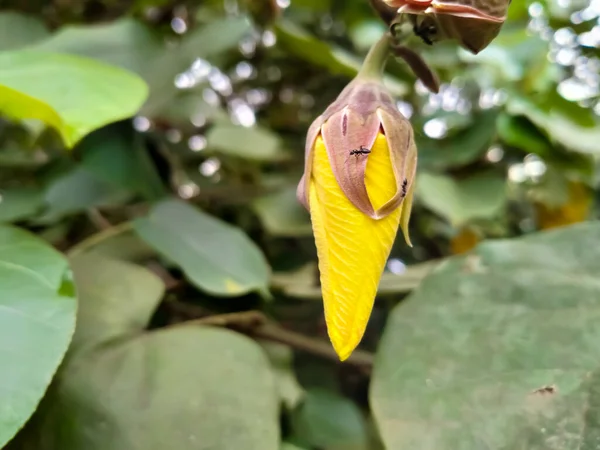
(473, 23)
(358, 186)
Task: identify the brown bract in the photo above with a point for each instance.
(474, 23)
(353, 121)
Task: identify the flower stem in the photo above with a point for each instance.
(374, 62)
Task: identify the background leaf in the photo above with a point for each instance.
(215, 256)
(71, 94)
(19, 30)
(37, 319)
(250, 143)
(484, 333)
(120, 382)
(480, 196)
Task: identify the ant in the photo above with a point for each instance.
(360, 151)
(404, 186)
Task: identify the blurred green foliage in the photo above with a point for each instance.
(154, 147)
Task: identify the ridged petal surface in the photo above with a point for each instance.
(352, 247)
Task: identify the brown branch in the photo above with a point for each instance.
(257, 325)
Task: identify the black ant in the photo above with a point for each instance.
(404, 186)
(360, 151)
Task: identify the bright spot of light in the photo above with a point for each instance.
(536, 9)
(268, 38)
(575, 90)
(200, 68)
(141, 123)
(241, 113)
(197, 143)
(533, 166)
(178, 25)
(494, 154)
(566, 56)
(565, 37)
(220, 82)
(516, 173)
(209, 167)
(244, 70)
(405, 108)
(283, 3)
(188, 190)
(396, 266)
(185, 80)
(435, 128)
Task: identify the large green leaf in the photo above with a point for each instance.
(497, 350)
(37, 319)
(132, 45)
(215, 256)
(71, 94)
(481, 196)
(119, 382)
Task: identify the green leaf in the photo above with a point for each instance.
(570, 125)
(281, 358)
(338, 61)
(282, 214)
(520, 133)
(117, 155)
(120, 382)
(463, 359)
(330, 421)
(125, 43)
(37, 319)
(250, 143)
(18, 30)
(460, 149)
(481, 196)
(19, 203)
(77, 191)
(214, 255)
(71, 94)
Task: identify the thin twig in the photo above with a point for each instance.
(97, 238)
(257, 325)
(99, 221)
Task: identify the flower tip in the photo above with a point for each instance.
(344, 351)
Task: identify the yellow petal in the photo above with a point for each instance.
(352, 248)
